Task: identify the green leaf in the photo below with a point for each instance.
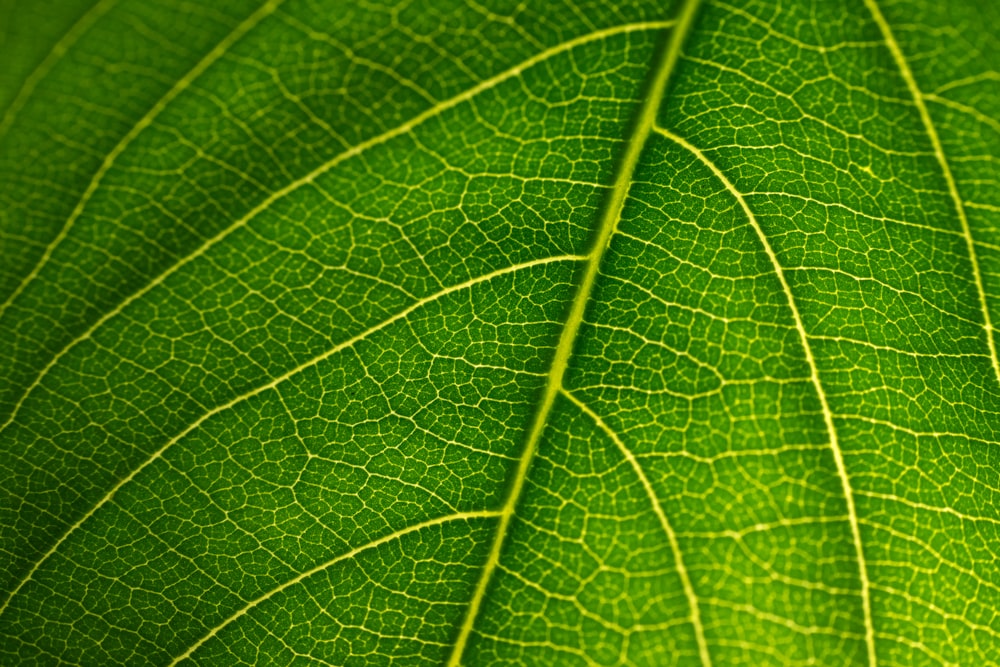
(531, 333)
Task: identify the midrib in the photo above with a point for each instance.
(607, 225)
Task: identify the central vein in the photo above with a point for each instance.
(608, 224)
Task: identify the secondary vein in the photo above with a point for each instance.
(65, 43)
(385, 539)
(606, 228)
(838, 456)
(925, 118)
(661, 515)
(175, 91)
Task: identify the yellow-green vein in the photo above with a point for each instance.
(838, 456)
(220, 49)
(75, 32)
(925, 118)
(385, 539)
(682, 573)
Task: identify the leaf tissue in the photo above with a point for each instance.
(493, 332)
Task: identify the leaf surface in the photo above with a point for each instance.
(500, 333)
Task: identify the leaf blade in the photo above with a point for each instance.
(362, 357)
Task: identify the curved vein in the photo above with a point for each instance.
(403, 314)
(925, 118)
(237, 33)
(309, 178)
(385, 539)
(606, 227)
(692, 597)
(838, 456)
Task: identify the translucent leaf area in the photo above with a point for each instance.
(500, 332)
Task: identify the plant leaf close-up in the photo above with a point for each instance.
(499, 332)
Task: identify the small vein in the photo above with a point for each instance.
(965, 109)
(944, 509)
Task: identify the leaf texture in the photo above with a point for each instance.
(474, 332)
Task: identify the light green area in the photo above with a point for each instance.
(562, 333)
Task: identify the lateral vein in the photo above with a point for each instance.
(682, 572)
(838, 456)
(182, 84)
(65, 43)
(607, 225)
(919, 99)
(385, 539)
